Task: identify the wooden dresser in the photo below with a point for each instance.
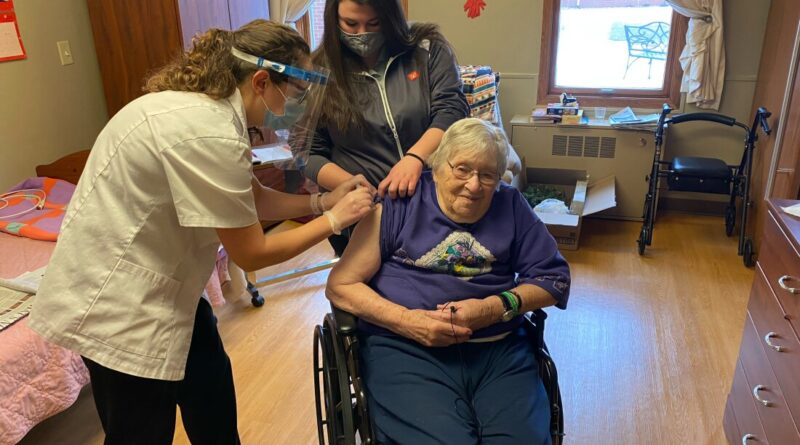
(764, 402)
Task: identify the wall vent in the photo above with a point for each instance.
(575, 146)
(584, 146)
(591, 147)
(559, 145)
(608, 147)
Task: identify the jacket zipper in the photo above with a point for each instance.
(387, 111)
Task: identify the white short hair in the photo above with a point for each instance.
(472, 136)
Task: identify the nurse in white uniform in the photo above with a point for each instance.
(168, 179)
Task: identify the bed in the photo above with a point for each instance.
(37, 379)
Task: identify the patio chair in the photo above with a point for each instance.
(647, 42)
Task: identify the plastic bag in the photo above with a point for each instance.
(551, 205)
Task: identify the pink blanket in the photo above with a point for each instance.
(37, 379)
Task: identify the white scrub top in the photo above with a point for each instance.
(138, 244)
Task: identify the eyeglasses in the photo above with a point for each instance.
(301, 91)
(464, 173)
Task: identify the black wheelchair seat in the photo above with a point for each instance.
(696, 174)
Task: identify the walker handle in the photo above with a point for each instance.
(718, 118)
(763, 114)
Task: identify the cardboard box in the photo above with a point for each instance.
(588, 197)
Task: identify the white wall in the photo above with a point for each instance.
(48, 110)
(507, 36)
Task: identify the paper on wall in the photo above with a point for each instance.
(9, 41)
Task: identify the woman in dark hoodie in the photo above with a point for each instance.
(395, 90)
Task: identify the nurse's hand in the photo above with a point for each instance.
(355, 205)
(402, 178)
(330, 199)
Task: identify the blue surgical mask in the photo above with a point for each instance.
(292, 110)
(364, 44)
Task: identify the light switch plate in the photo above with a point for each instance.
(65, 52)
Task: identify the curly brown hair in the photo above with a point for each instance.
(210, 68)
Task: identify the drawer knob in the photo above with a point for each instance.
(768, 337)
(747, 437)
(782, 283)
(756, 389)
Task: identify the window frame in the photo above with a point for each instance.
(303, 25)
(670, 91)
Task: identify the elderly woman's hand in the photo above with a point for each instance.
(473, 313)
(429, 329)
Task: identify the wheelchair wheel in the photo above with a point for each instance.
(730, 219)
(642, 241)
(335, 426)
(748, 255)
(549, 376)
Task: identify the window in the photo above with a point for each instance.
(611, 52)
(316, 21)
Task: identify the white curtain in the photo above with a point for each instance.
(703, 57)
(288, 11)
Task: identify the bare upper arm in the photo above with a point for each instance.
(362, 258)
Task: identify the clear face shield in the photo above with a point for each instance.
(291, 133)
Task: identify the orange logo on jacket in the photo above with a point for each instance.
(412, 76)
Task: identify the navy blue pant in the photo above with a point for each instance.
(137, 410)
(472, 393)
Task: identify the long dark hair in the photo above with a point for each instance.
(339, 108)
(210, 68)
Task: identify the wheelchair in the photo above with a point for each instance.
(341, 401)
(705, 175)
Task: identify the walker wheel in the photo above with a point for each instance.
(257, 300)
(642, 241)
(730, 220)
(748, 256)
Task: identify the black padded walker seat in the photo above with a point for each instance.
(695, 174)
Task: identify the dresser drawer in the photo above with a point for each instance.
(765, 389)
(729, 423)
(777, 339)
(744, 409)
(779, 260)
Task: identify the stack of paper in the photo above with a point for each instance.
(626, 118)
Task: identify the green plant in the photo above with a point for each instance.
(536, 193)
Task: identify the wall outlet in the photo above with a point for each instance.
(65, 52)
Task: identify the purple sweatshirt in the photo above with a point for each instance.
(427, 259)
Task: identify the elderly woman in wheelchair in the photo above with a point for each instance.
(439, 282)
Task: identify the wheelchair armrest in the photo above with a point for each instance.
(346, 323)
(534, 325)
(712, 117)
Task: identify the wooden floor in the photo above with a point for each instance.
(645, 351)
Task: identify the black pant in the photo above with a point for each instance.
(136, 410)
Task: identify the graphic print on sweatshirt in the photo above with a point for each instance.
(460, 254)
